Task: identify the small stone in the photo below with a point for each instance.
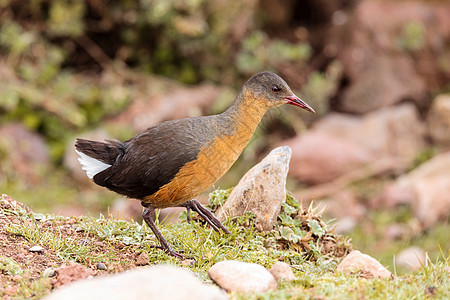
(49, 272)
(367, 266)
(36, 249)
(262, 190)
(282, 271)
(240, 276)
(412, 258)
(101, 266)
(142, 259)
(158, 282)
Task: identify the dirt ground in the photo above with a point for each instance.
(58, 270)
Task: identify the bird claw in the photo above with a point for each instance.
(205, 214)
(174, 253)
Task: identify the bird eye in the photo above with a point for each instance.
(275, 89)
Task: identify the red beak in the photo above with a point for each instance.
(294, 100)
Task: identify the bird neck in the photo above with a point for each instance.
(244, 115)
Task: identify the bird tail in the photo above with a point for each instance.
(96, 157)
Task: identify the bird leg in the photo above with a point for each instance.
(150, 217)
(205, 214)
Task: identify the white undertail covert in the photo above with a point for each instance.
(91, 165)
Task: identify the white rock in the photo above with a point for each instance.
(239, 276)
(159, 282)
(262, 190)
(412, 258)
(359, 262)
(37, 249)
(282, 271)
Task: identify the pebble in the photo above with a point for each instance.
(36, 249)
(49, 272)
(282, 271)
(368, 266)
(232, 275)
(101, 266)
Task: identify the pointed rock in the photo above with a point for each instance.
(262, 190)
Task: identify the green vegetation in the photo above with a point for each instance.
(90, 240)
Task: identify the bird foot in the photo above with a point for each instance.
(174, 253)
(205, 214)
(149, 218)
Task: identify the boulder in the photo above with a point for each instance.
(319, 157)
(391, 51)
(339, 143)
(430, 186)
(158, 282)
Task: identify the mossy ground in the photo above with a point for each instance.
(117, 243)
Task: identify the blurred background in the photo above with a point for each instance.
(376, 154)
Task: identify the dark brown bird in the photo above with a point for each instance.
(171, 163)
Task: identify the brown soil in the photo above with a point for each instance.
(33, 264)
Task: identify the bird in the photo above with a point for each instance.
(170, 164)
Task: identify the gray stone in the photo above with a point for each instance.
(159, 282)
(412, 258)
(262, 190)
(367, 266)
(101, 266)
(438, 120)
(282, 271)
(240, 276)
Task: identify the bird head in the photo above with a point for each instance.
(272, 91)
